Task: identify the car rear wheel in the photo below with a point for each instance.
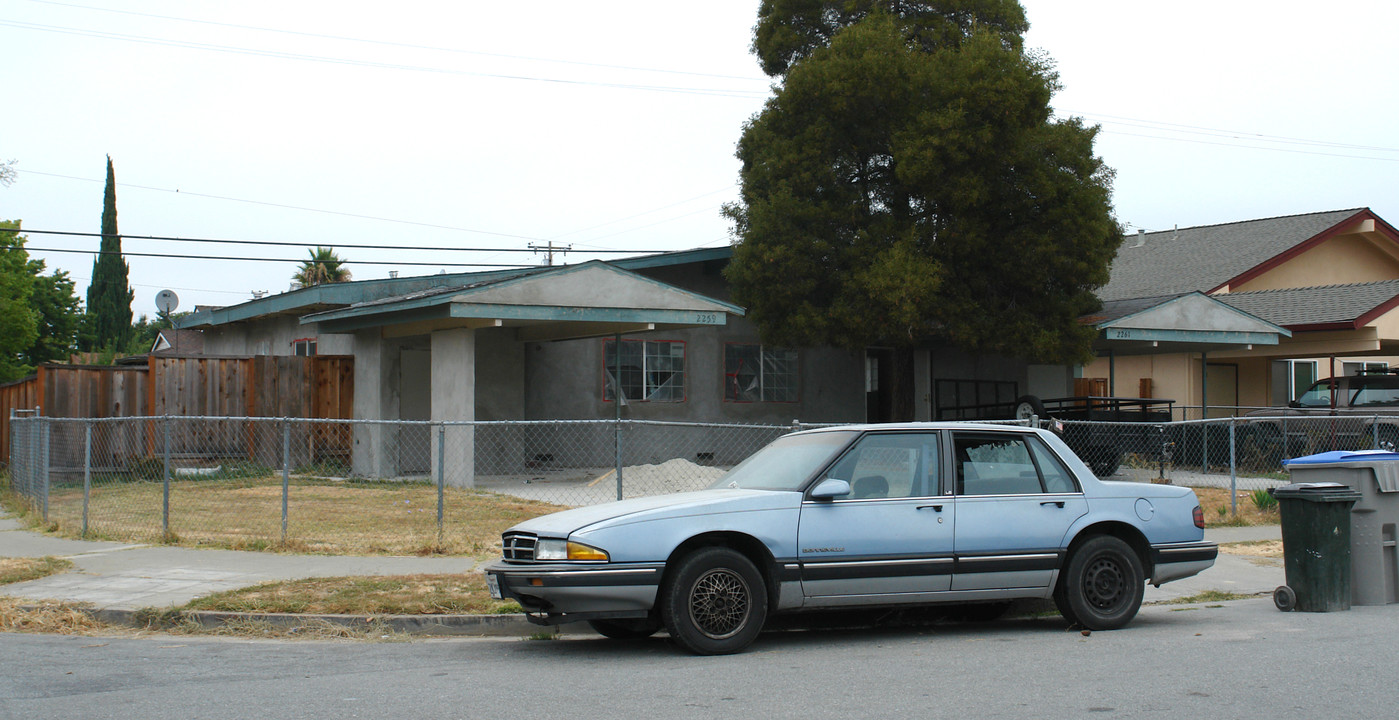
(1103, 584)
(715, 602)
(630, 629)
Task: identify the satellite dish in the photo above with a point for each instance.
(166, 301)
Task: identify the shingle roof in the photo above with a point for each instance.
(1171, 262)
(1116, 309)
(1322, 305)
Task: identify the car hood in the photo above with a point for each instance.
(562, 524)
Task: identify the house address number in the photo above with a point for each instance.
(1118, 334)
(707, 318)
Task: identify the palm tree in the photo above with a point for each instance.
(323, 267)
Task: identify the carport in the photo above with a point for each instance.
(1188, 323)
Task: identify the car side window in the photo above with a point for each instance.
(994, 464)
(1056, 477)
(890, 465)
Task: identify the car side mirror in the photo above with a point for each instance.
(1295, 404)
(830, 488)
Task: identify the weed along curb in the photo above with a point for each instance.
(514, 625)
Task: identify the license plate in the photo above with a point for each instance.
(493, 584)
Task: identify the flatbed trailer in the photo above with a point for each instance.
(1099, 429)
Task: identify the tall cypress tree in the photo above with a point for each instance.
(109, 295)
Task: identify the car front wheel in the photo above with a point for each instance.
(715, 602)
(1101, 589)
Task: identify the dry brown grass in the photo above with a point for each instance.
(1254, 548)
(47, 617)
(13, 570)
(1212, 500)
(457, 594)
(341, 518)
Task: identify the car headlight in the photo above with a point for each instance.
(567, 550)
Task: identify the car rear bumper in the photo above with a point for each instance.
(1173, 561)
(553, 594)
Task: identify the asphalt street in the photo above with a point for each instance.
(1238, 659)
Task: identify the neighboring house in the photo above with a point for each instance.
(178, 342)
(1329, 281)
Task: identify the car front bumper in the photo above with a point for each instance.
(552, 594)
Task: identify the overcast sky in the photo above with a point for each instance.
(600, 126)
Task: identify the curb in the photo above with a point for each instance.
(418, 625)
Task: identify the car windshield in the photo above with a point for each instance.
(1318, 395)
(787, 462)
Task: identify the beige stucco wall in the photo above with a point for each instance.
(1176, 376)
(1345, 259)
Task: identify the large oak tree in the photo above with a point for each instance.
(907, 183)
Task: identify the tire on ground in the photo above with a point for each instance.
(1102, 585)
(715, 601)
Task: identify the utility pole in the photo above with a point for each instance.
(549, 250)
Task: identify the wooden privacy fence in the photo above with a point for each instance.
(319, 387)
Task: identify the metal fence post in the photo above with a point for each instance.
(1161, 458)
(165, 492)
(1375, 432)
(617, 442)
(43, 464)
(1233, 476)
(286, 473)
(441, 475)
(1204, 445)
(87, 471)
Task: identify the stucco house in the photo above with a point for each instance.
(1329, 281)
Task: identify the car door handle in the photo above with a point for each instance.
(936, 508)
(1056, 503)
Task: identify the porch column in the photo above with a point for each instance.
(376, 398)
(454, 400)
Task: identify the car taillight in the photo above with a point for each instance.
(1199, 517)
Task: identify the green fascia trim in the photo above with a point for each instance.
(577, 314)
(1191, 336)
(681, 257)
(346, 293)
(392, 317)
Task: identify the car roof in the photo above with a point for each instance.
(944, 425)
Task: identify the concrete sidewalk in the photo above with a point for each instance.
(121, 578)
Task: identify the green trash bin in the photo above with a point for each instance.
(1315, 546)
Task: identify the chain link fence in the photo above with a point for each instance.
(1242, 454)
(377, 487)
(349, 486)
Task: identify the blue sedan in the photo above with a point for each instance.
(859, 517)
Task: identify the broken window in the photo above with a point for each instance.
(646, 370)
(755, 373)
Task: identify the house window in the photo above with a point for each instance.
(647, 370)
(1303, 374)
(1359, 368)
(755, 373)
(303, 346)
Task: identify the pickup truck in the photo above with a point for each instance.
(1364, 410)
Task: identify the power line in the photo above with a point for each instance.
(388, 43)
(190, 45)
(277, 260)
(1219, 132)
(283, 243)
(1253, 147)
